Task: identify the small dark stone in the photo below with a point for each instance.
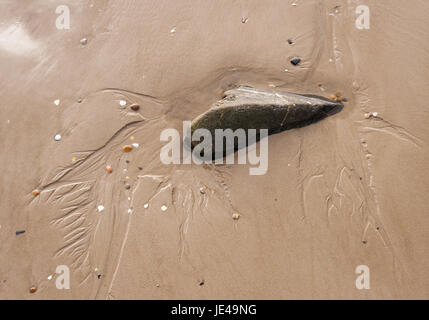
(127, 186)
(135, 107)
(295, 61)
(99, 276)
(19, 232)
(140, 168)
(364, 241)
(201, 282)
(127, 161)
(289, 41)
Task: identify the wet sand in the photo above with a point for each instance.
(342, 192)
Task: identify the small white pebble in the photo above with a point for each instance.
(57, 137)
(57, 102)
(130, 211)
(123, 103)
(146, 205)
(100, 208)
(135, 145)
(286, 70)
(50, 277)
(83, 41)
(173, 30)
(374, 114)
(163, 207)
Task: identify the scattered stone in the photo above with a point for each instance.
(36, 192)
(83, 41)
(127, 148)
(157, 285)
(135, 107)
(244, 20)
(74, 159)
(19, 232)
(57, 137)
(33, 289)
(355, 85)
(164, 208)
(100, 208)
(235, 216)
(286, 70)
(79, 100)
(289, 41)
(332, 97)
(202, 190)
(364, 241)
(135, 145)
(122, 103)
(295, 61)
(127, 186)
(202, 282)
(367, 115)
(50, 277)
(140, 168)
(57, 102)
(146, 205)
(99, 276)
(109, 169)
(127, 161)
(173, 30)
(375, 114)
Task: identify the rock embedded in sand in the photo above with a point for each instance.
(109, 169)
(83, 41)
(57, 137)
(35, 192)
(127, 186)
(33, 289)
(367, 115)
(127, 148)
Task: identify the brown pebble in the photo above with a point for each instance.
(127, 148)
(332, 97)
(33, 289)
(36, 192)
(109, 169)
(367, 115)
(338, 94)
(134, 107)
(339, 99)
(127, 186)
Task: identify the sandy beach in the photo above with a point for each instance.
(82, 184)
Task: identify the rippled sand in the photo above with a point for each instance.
(343, 192)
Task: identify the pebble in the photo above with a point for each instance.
(57, 137)
(289, 41)
(109, 169)
(50, 277)
(202, 190)
(127, 148)
(100, 208)
(173, 30)
(235, 216)
(36, 192)
(127, 186)
(164, 208)
(135, 145)
(130, 211)
(135, 107)
(57, 102)
(244, 20)
(74, 159)
(295, 61)
(83, 41)
(122, 103)
(367, 115)
(146, 205)
(19, 232)
(332, 97)
(375, 114)
(33, 289)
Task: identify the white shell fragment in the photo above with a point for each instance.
(57, 102)
(100, 208)
(146, 205)
(135, 145)
(123, 103)
(130, 211)
(164, 208)
(57, 137)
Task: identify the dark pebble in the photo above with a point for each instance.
(135, 107)
(127, 161)
(295, 61)
(140, 168)
(127, 186)
(202, 283)
(19, 232)
(289, 41)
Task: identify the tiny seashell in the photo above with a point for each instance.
(123, 103)
(100, 208)
(57, 137)
(163, 207)
(127, 148)
(146, 205)
(235, 216)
